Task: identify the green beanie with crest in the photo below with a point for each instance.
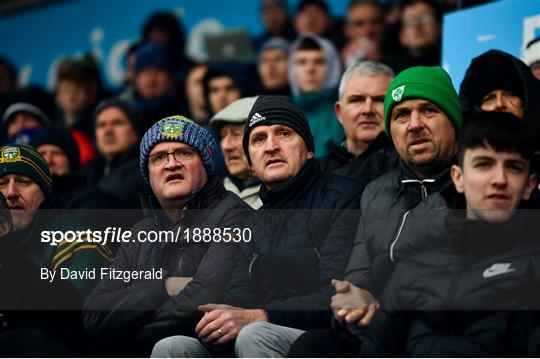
(428, 83)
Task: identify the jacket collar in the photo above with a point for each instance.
(212, 190)
(285, 195)
(482, 238)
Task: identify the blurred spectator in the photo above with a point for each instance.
(276, 21)
(194, 91)
(165, 29)
(30, 109)
(229, 123)
(223, 84)
(78, 89)
(154, 94)
(273, 67)
(360, 111)
(8, 81)
(532, 56)
(517, 92)
(76, 93)
(313, 17)
(115, 170)
(69, 188)
(314, 73)
(420, 35)
(131, 60)
(364, 29)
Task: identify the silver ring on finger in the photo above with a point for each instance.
(220, 332)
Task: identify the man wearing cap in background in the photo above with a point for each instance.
(25, 181)
(177, 161)
(115, 170)
(154, 95)
(69, 187)
(229, 123)
(285, 270)
(272, 66)
(421, 116)
(25, 114)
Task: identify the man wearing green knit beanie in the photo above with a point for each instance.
(422, 116)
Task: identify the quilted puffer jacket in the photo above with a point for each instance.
(120, 310)
(302, 238)
(386, 212)
(469, 297)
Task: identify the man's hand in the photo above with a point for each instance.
(222, 323)
(353, 305)
(175, 285)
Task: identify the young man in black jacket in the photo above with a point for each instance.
(280, 285)
(467, 293)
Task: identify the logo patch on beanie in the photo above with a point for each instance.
(397, 93)
(256, 118)
(172, 128)
(11, 154)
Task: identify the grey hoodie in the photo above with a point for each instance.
(332, 60)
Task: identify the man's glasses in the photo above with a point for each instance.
(180, 155)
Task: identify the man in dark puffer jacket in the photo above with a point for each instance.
(177, 159)
(467, 293)
(283, 275)
(422, 116)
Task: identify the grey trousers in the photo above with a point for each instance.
(257, 340)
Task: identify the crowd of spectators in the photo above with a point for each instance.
(387, 206)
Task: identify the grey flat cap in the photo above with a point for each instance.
(235, 112)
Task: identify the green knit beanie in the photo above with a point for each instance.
(26, 160)
(428, 83)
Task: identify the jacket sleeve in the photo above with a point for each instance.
(214, 271)
(358, 269)
(79, 257)
(115, 305)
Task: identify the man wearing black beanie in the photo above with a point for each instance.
(69, 188)
(302, 237)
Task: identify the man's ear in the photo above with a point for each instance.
(531, 185)
(457, 177)
(337, 110)
(310, 155)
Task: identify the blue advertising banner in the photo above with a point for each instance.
(38, 38)
(505, 25)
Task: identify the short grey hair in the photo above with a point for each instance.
(364, 68)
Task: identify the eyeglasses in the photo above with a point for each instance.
(180, 155)
(413, 21)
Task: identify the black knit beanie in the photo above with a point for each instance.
(61, 138)
(131, 113)
(277, 110)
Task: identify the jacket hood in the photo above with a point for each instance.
(332, 61)
(493, 70)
